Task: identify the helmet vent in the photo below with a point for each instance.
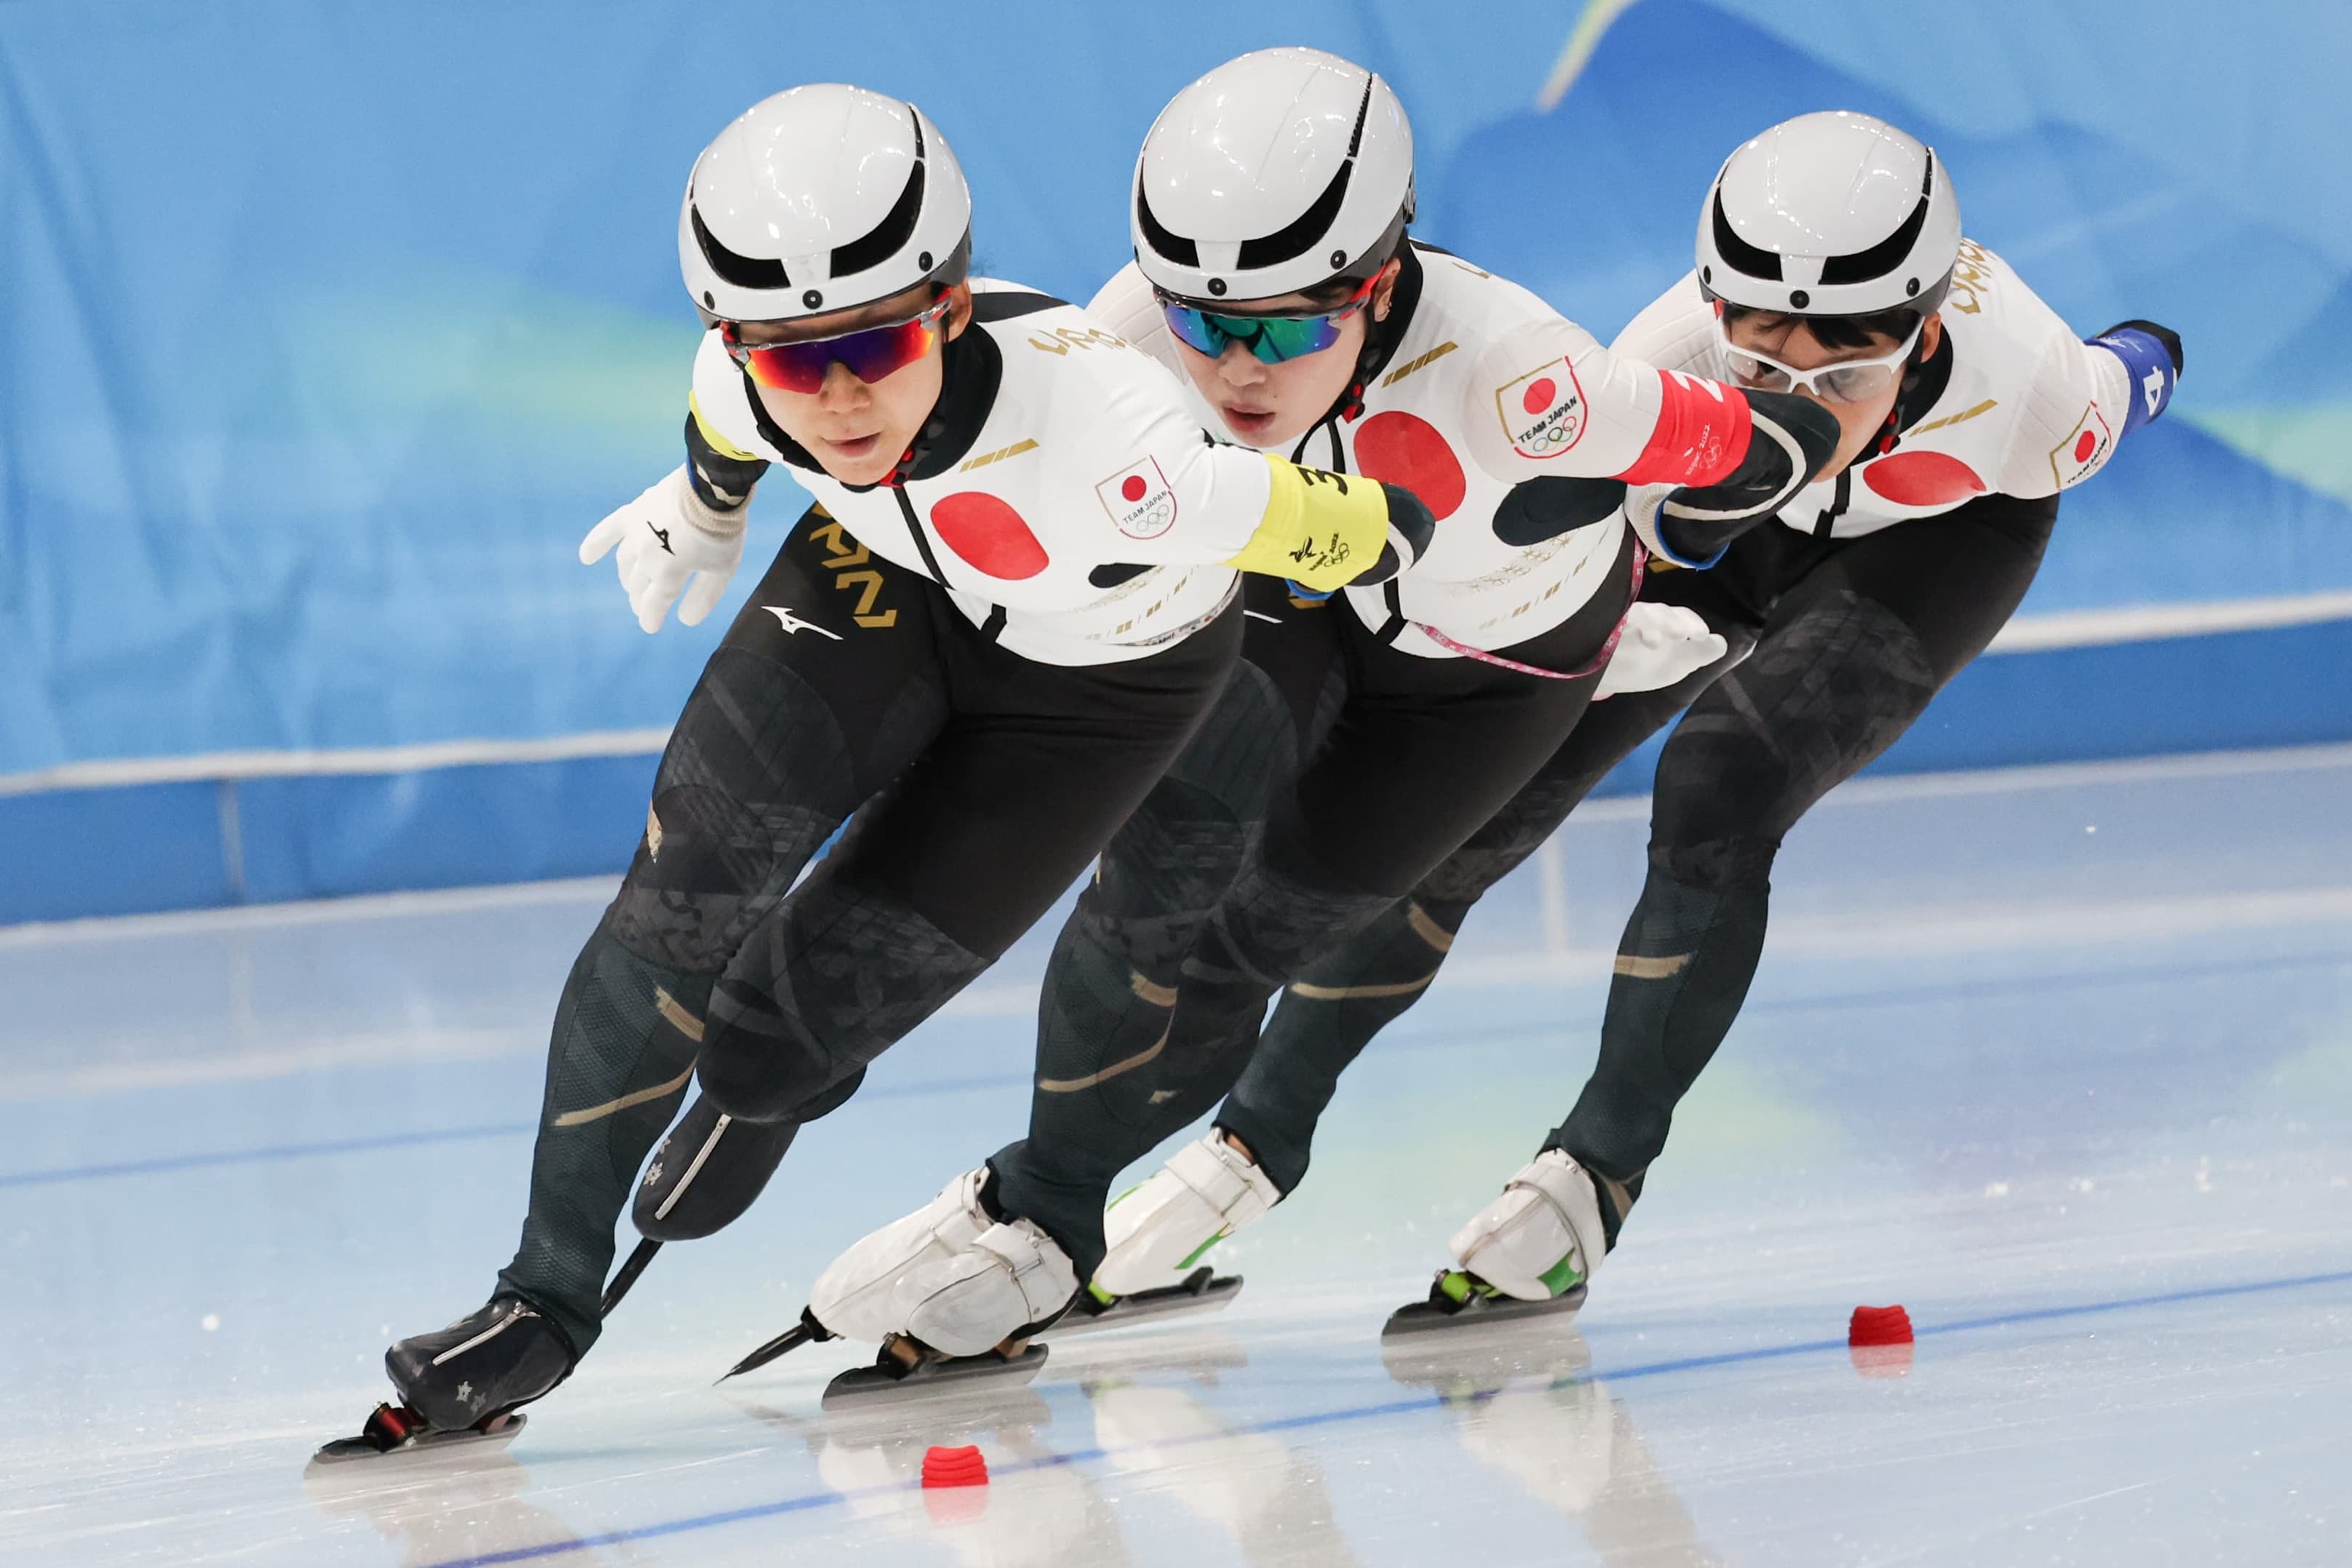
(1165, 242)
(1296, 238)
(889, 236)
(1750, 261)
(1363, 108)
(1889, 253)
(743, 271)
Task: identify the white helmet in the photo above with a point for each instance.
(820, 199)
(1834, 213)
(1276, 171)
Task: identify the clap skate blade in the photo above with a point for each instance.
(393, 1431)
(808, 1331)
(907, 1369)
(1459, 1301)
(1203, 1290)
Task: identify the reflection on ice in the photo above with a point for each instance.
(1522, 1401)
(438, 1508)
(1265, 1493)
(1036, 1509)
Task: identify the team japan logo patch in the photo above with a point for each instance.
(2086, 446)
(1543, 411)
(1139, 500)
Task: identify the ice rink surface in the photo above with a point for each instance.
(2062, 1062)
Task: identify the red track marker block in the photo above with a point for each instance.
(1878, 1325)
(1879, 1340)
(954, 1483)
(954, 1468)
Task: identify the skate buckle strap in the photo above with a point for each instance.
(1238, 1179)
(1559, 1275)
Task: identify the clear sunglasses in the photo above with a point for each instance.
(1846, 381)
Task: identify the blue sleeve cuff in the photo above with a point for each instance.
(1300, 590)
(2150, 365)
(1668, 554)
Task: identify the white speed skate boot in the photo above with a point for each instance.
(967, 1319)
(1010, 1280)
(1158, 1231)
(852, 1298)
(1206, 1192)
(1532, 1251)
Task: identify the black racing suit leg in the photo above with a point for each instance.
(1330, 1013)
(793, 721)
(1386, 794)
(1109, 992)
(1034, 770)
(1851, 655)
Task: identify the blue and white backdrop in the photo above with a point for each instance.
(327, 328)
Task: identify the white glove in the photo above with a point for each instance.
(1660, 646)
(670, 540)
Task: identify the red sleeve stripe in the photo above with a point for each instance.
(1701, 435)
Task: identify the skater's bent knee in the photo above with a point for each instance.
(1737, 863)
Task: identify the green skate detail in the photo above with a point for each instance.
(1194, 1256)
(1099, 1294)
(1122, 1197)
(1562, 1276)
(1455, 1286)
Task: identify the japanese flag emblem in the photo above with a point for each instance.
(1139, 500)
(2086, 448)
(1543, 411)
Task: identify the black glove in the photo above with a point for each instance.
(1411, 528)
(2163, 335)
(1794, 440)
(1540, 509)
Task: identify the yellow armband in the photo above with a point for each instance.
(719, 444)
(1320, 530)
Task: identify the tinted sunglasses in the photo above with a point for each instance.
(1272, 338)
(870, 353)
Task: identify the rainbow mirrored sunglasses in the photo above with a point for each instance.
(1272, 338)
(870, 353)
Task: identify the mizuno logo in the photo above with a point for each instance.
(662, 534)
(791, 623)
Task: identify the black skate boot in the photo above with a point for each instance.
(463, 1383)
(481, 1367)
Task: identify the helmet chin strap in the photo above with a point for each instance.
(1382, 336)
(1914, 370)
